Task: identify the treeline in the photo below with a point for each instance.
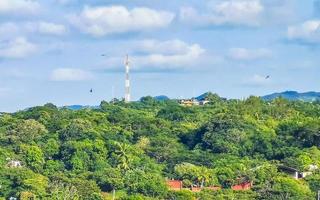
(128, 151)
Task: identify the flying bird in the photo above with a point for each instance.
(91, 90)
(267, 77)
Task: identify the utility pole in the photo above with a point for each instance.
(113, 194)
(127, 97)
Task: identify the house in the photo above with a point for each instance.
(14, 164)
(193, 102)
(296, 173)
(242, 186)
(189, 102)
(203, 102)
(175, 185)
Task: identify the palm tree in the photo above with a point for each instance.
(123, 157)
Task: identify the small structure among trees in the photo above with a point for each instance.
(296, 173)
(14, 164)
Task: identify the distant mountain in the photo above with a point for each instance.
(161, 98)
(203, 96)
(293, 96)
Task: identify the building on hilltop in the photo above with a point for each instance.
(193, 102)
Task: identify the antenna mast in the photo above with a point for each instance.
(127, 97)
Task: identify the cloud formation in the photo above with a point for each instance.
(244, 54)
(70, 74)
(229, 12)
(42, 27)
(101, 21)
(307, 32)
(155, 55)
(19, 47)
(46, 28)
(18, 7)
(168, 47)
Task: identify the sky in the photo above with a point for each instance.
(50, 50)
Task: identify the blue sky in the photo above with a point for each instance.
(50, 50)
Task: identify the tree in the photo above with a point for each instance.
(62, 191)
(34, 157)
(87, 189)
(149, 184)
(192, 174)
(51, 148)
(122, 152)
(181, 195)
(27, 131)
(226, 134)
(77, 129)
(288, 188)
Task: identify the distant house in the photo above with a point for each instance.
(296, 173)
(193, 102)
(204, 102)
(242, 186)
(189, 102)
(14, 164)
(175, 185)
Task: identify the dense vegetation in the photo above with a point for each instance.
(131, 149)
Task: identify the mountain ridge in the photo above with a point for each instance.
(290, 95)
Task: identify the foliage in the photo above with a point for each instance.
(130, 149)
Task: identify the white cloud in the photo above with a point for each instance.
(46, 28)
(100, 21)
(308, 31)
(18, 7)
(229, 12)
(19, 47)
(70, 74)
(153, 55)
(249, 54)
(181, 60)
(42, 27)
(8, 28)
(64, 2)
(163, 47)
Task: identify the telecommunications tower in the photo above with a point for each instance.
(127, 83)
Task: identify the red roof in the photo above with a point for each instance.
(174, 184)
(243, 186)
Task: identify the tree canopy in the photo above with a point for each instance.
(128, 150)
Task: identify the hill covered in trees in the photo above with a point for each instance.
(130, 150)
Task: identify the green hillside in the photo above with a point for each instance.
(128, 151)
